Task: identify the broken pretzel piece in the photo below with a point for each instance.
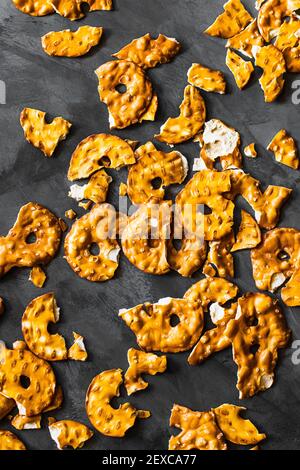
(71, 9)
(37, 277)
(25, 422)
(71, 44)
(207, 79)
(240, 68)
(9, 441)
(285, 150)
(34, 7)
(249, 234)
(271, 60)
(246, 40)
(250, 151)
(271, 16)
(77, 351)
(234, 19)
(56, 401)
(68, 433)
(6, 405)
(290, 293)
(220, 261)
(95, 190)
(288, 35)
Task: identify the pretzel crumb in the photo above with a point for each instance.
(37, 277)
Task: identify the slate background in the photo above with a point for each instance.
(68, 87)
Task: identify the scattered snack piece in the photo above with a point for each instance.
(32, 400)
(140, 363)
(6, 406)
(2, 306)
(71, 9)
(249, 234)
(207, 79)
(150, 114)
(37, 277)
(188, 123)
(148, 53)
(24, 422)
(77, 352)
(189, 256)
(199, 430)
(231, 22)
(98, 227)
(271, 16)
(259, 323)
(70, 214)
(152, 324)
(62, 225)
(85, 205)
(123, 190)
(271, 60)
(250, 151)
(34, 7)
(19, 345)
(71, 44)
(143, 414)
(125, 108)
(67, 433)
(247, 39)
(240, 68)
(99, 151)
(57, 400)
(35, 321)
(133, 143)
(288, 35)
(32, 241)
(236, 429)
(219, 140)
(220, 258)
(290, 294)
(285, 150)
(95, 190)
(40, 134)
(292, 58)
(9, 441)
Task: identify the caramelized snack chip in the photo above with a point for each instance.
(77, 352)
(247, 39)
(240, 68)
(95, 190)
(231, 22)
(9, 441)
(249, 234)
(250, 151)
(140, 363)
(71, 44)
(34, 7)
(71, 9)
(271, 60)
(285, 150)
(25, 422)
(207, 79)
(68, 433)
(37, 277)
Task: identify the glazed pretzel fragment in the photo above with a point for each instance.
(285, 150)
(234, 18)
(77, 351)
(152, 324)
(38, 395)
(288, 35)
(259, 323)
(150, 114)
(40, 134)
(210, 290)
(240, 68)
(68, 433)
(71, 44)
(249, 234)
(97, 227)
(148, 53)
(35, 321)
(18, 250)
(9, 441)
(207, 79)
(234, 427)
(57, 400)
(271, 60)
(125, 108)
(25, 422)
(250, 151)
(34, 7)
(220, 260)
(189, 122)
(247, 39)
(19, 345)
(290, 294)
(271, 16)
(71, 9)
(37, 277)
(219, 140)
(6, 405)
(140, 363)
(292, 58)
(95, 190)
(199, 430)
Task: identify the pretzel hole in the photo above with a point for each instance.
(104, 161)
(174, 320)
(121, 88)
(94, 249)
(24, 381)
(156, 183)
(251, 321)
(177, 243)
(254, 348)
(283, 255)
(152, 243)
(31, 238)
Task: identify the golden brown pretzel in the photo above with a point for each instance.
(68, 433)
(247, 39)
(272, 61)
(71, 44)
(9, 441)
(72, 8)
(271, 16)
(140, 363)
(34, 7)
(207, 79)
(233, 20)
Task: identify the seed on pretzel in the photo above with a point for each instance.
(98, 227)
(236, 429)
(106, 419)
(292, 58)
(71, 44)
(240, 68)
(285, 149)
(35, 321)
(259, 324)
(95, 190)
(207, 79)
(148, 53)
(220, 258)
(250, 151)
(152, 324)
(247, 39)
(33, 240)
(288, 35)
(271, 16)
(6, 405)
(234, 18)
(77, 351)
(219, 140)
(154, 165)
(37, 277)
(34, 7)
(9, 441)
(199, 430)
(57, 400)
(26, 422)
(125, 108)
(14, 366)
(290, 294)
(140, 363)
(71, 9)
(68, 433)
(189, 122)
(40, 134)
(249, 234)
(271, 60)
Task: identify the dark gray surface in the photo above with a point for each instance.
(68, 87)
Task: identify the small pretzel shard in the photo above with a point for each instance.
(288, 35)
(34, 7)
(249, 234)
(148, 53)
(292, 58)
(38, 395)
(247, 39)
(71, 44)
(240, 68)
(150, 114)
(207, 79)
(219, 140)
(189, 257)
(151, 323)
(95, 190)
(259, 322)
(250, 151)
(24, 422)
(271, 16)
(236, 429)
(71, 9)
(125, 108)
(290, 293)
(231, 22)
(35, 321)
(57, 400)
(9, 441)
(37, 277)
(142, 363)
(107, 420)
(199, 430)
(170, 168)
(40, 134)
(271, 60)
(220, 258)
(6, 405)
(68, 433)
(285, 150)
(188, 123)
(16, 251)
(99, 151)
(77, 351)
